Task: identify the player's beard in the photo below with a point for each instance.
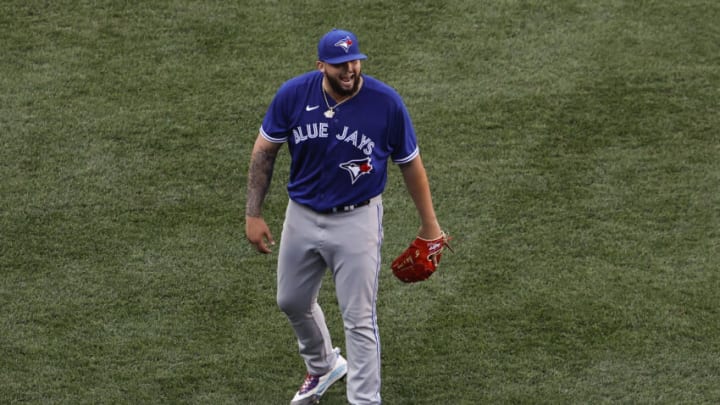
(338, 88)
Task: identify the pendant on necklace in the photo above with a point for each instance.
(329, 113)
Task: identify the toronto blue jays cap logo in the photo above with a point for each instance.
(357, 168)
(345, 43)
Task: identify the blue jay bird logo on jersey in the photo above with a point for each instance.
(357, 168)
(345, 44)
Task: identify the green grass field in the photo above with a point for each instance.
(573, 152)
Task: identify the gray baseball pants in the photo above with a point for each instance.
(348, 244)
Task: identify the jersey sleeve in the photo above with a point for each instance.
(276, 125)
(403, 140)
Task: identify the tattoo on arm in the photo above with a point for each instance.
(262, 164)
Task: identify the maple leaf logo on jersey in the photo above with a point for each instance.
(345, 44)
(357, 168)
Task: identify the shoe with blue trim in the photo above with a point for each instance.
(315, 386)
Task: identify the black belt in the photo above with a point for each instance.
(345, 208)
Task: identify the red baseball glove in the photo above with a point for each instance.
(419, 261)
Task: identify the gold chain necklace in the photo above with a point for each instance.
(331, 110)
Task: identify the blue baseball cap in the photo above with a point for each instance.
(339, 46)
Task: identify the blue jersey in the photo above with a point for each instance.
(340, 160)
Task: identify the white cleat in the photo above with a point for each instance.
(315, 386)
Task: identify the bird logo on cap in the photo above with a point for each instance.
(345, 44)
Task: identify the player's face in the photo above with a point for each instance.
(344, 78)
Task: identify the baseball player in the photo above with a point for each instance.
(342, 128)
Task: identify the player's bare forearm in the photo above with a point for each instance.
(262, 163)
(418, 186)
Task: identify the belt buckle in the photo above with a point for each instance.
(347, 208)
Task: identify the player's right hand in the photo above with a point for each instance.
(258, 234)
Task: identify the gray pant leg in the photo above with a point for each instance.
(299, 277)
(354, 257)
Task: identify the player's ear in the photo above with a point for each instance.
(320, 66)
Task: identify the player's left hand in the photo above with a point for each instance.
(420, 260)
(429, 230)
